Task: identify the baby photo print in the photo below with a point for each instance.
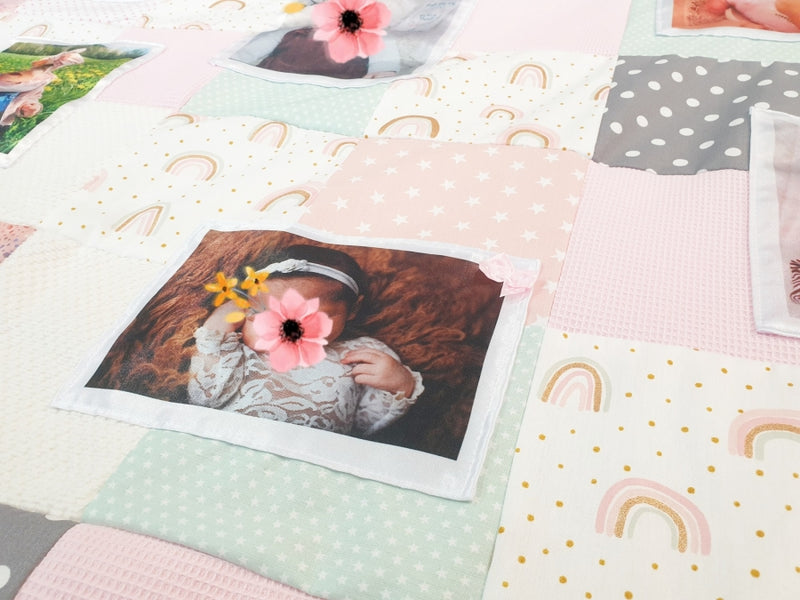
(383, 361)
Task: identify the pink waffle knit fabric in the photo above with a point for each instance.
(172, 76)
(93, 562)
(570, 25)
(664, 259)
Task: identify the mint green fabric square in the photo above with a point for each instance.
(330, 534)
(345, 111)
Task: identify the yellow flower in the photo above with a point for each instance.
(224, 288)
(254, 283)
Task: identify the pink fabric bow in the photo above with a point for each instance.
(515, 281)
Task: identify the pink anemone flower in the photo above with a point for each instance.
(293, 331)
(351, 27)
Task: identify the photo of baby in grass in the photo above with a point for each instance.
(38, 78)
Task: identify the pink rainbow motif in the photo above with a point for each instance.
(411, 125)
(197, 166)
(95, 182)
(498, 109)
(747, 428)
(421, 86)
(238, 4)
(531, 74)
(296, 196)
(602, 92)
(142, 222)
(527, 135)
(185, 117)
(35, 31)
(690, 527)
(273, 133)
(582, 379)
(336, 146)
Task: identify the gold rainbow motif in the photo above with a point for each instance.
(576, 375)
(530, 73)
(276, 131)
(142, 222)
(417, 121)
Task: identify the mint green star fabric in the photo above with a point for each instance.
(345, 111)
(330, 534)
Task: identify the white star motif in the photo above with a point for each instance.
(559, 255)
(573, 200)
(509, 190)
(355, 179)
(578, 174)
(448, 185)
(436, 210)
(529, 235)
(412, 192)
(536, 208)
(550, 286)
(424, 233)
(482, 176)
(473, 201)
(377, 197)
(459, 158)
(490, 244)
(500, 217)
(424, 164)
(491, 151)
(390, 170)
(462, 225)
(402, 153)
(517, 165)
(363, 227)
(551, 157)
(400, 219)
(566, 226)
(340, 203)
(369, 161)
(545, 181)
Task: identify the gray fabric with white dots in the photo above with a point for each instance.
(680, 116)
(25, 539)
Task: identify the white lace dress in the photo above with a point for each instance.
(228, 375)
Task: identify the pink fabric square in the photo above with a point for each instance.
(665, 259)
(502, 199)
(584, 26)
(93, 562)
(180, 69)
(11, 236)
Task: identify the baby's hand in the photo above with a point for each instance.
(379, 370)
(218, 320)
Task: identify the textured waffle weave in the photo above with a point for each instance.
(94, 562)
(664, 259)
(59, 300)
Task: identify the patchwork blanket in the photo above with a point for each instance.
(358, 300)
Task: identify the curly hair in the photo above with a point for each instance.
(414, 302)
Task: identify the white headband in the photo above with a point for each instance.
(291, 265)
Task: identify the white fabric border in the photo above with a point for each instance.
(412, 469)
(664, 27)
(766, 261)
(64, 111)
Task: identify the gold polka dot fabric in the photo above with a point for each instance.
(643, 467)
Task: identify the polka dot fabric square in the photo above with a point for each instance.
(648, 471)
(680, 116)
